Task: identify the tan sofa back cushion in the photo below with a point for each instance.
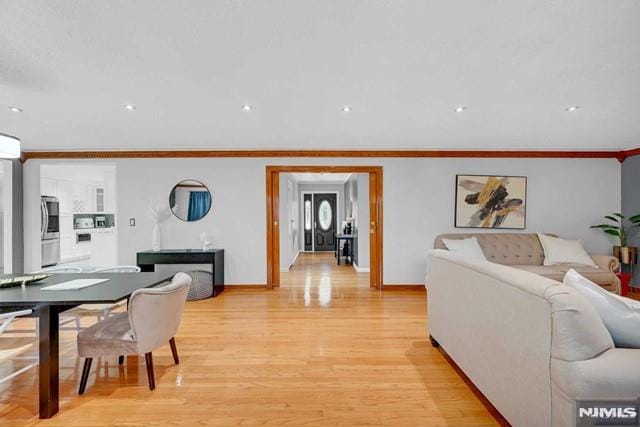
(503, 248)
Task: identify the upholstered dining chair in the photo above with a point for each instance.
(59, 270)
(7, 316)
(152, 320)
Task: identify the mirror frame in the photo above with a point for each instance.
(173, 189)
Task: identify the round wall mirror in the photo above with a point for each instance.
(190, 200)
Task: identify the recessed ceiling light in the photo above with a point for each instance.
(460, 109)
(346, 108)
(129, 107)
(15, 109)
(247, 107)
(572, 108)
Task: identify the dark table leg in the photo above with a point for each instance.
(48, 327)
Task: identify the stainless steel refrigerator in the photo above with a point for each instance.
(50, 230)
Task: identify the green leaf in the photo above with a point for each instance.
(605, 226)
(619, 215)
(635, 218)
(613, 232)
(609, 217)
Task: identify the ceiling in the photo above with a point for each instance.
(332, 177)
(402, 66)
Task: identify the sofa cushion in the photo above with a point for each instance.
(557, 272)
(109, 337)
(620, 315)
(469, 248)
(503, 248)
(562, 251)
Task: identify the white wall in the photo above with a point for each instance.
(362, 221)
(357, 195)
(6, 216)
(565, 196)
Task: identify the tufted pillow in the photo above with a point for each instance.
(469, 248)
(620, 315)
(561, 251)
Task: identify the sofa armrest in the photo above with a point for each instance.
(606, 262)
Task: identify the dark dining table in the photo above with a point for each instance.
(47, 306)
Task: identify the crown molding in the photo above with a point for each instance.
(144, 154)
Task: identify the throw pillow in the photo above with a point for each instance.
(469, 248)
(620, 315)
(561, 251)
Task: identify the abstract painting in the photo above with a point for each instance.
(491, 201)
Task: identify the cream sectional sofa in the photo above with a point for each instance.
(524, 251)
(530, 344)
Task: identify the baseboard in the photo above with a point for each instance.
(361, 269)
(419, 287)
(286, 269)
(295, 258)
(247, 286)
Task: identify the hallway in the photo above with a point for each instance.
(320, 270)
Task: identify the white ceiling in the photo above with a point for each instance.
(403, 66)
(332, 177)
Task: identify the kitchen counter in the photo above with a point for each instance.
(95, 230)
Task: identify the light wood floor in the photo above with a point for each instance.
(324, 349)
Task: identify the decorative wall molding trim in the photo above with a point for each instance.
(629, 153)
(142, 154)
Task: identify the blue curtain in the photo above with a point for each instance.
(199, 204)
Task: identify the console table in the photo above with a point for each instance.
(147, 261)
(348, 240)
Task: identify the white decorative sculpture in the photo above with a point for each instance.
(206, 242)
(159, 214)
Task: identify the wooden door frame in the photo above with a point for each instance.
(273, 217)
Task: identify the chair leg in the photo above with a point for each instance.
(174, 350)
(121, 359)
(148, 358)
(85, 375)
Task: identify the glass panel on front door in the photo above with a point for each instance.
(325, 215)
(307, 215)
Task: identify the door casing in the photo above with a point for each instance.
(273, 217)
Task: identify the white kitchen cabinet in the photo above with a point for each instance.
(103, 247)
(48, 187)
(100, 199)
(82, 198)
(64, 190)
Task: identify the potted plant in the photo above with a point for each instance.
(620, 227)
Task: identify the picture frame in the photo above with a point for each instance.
(491, 202)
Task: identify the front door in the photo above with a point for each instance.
(325, 222)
